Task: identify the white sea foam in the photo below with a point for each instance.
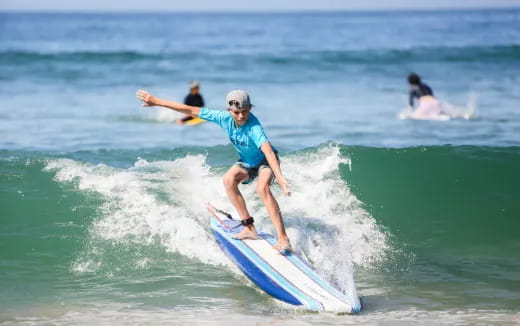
(450, 111)
(467, 112)
(133, 211)
(165, 201)
(114, 314)
(327, 220)
(166, 115)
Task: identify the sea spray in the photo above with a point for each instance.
(136, 211)
(164, 202)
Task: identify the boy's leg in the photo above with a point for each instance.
(264, 192)
(232, 179)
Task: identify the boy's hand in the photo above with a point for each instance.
(285, 186)
(146, 97)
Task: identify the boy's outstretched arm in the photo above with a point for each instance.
(275, 166)
(150, 100)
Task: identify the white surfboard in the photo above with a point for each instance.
(284, 276)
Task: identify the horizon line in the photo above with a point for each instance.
(214, 10)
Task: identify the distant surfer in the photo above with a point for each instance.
(258, 159)
(429, 106)
(194, 98)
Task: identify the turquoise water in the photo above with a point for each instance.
(102, 202)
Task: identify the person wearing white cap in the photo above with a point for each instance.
(257, 157)
(194, 98)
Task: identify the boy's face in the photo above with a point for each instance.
(239, 115)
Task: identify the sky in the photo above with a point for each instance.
(242, 5)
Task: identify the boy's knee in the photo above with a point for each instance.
(263, 192)
(229, 181)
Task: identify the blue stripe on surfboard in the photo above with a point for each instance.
(314, 304)
(263, 276)
(253, 272)
(268, 273)
(314, 276)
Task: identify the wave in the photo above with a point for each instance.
(431, 198)
(442, 200)
(411, 217)
(447, 205)
(496, 53)
(163, 202)
(74, 56)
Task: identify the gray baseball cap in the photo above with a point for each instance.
(239, 99)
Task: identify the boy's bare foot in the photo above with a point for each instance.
(246, 233)
(283, 246)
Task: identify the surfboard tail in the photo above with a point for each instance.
(225, 219)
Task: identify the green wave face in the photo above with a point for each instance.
(453, 213)
(42, 227)
(442, 199)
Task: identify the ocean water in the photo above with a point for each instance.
(102, 202)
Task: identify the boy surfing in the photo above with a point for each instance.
(257, 158)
